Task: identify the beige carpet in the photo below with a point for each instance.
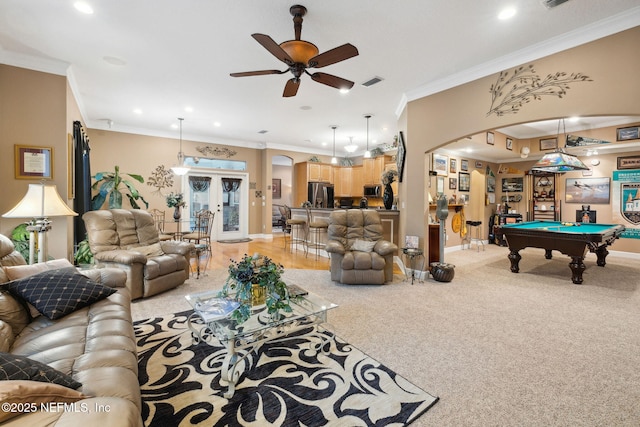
(498, 348)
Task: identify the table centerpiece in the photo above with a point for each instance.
(255, 281)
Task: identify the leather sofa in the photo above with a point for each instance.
(94, 345)
(128, 239)
(358, 252)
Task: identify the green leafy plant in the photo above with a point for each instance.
(262, 271)
(109, 184)
(175, 199)
(83, 254)
(20, 238)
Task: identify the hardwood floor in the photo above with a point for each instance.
(274, 249)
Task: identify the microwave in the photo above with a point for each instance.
(372, 191)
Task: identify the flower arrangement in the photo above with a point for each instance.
(255, 275)
(175, 200)
(388, 176)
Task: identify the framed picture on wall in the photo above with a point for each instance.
(464, 165)
(512, 185)
(548, 143)
(440, 164)
(510, 144)
(490, 138)
(402, 150)
(464, 181)
(276, 186)
(33, 162)
(453, 166)
(453, 183)
(588, 191)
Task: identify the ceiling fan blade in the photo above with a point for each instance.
(333, 81)
(273, 47)
(257, 73)
(334, 55)
(291, 88)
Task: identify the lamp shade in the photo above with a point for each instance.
(41, 201)
(559, 161)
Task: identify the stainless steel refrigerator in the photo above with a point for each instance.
(320, 194)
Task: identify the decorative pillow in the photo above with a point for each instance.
(14, 367)
(362, 245)
(15, 272)
(56, 293)
(150, 250)
(26, 396)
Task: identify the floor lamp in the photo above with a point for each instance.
(41, 202)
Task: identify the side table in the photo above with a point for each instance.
(414, 255)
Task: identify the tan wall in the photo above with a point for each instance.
(435, 120)
(33, 111)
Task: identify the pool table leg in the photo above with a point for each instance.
(577, 268)
(547, 253)
(602, 253)
(515, 258)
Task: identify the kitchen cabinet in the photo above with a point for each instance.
(357, 181)
(373, 168)
(342, 178)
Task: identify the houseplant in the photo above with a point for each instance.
(255, 281)
(387, 178)
(110, 185)
(175, 201)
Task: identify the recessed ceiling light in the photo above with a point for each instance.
(324, 144)
(188, 109)
(83, 7)
(137, 111)
(469, 150)
(217, 124)
(507, 13)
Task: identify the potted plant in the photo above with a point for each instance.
(175, 201)
(109, 183)
(255, 281)
(83, 256)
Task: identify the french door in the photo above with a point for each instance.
(225, 194)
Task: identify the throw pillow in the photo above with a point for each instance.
(26, 396)
(56, 293)
(14, 367)
(362, 245)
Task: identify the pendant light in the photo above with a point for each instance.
(334, 159)
(367, 154)
(180, 169)
(558, 161)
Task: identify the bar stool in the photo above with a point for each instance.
(474, 235)
(315, 230)
(296, 228)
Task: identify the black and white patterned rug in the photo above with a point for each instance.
(287, 384)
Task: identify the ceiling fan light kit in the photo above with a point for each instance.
(299, 55)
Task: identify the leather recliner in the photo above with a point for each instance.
(128, 239)
(359, 254)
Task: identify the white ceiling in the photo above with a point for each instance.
(162, 56)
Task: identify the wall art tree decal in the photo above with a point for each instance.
(160, 178)
(515, 88)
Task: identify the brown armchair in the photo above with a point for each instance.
(128, 239)
(359, 255)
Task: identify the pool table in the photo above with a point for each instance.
(573, 239)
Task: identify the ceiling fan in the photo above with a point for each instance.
(299, 55)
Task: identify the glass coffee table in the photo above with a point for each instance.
(241, 340)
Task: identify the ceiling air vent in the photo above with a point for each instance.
(550, 4)
(372, 81)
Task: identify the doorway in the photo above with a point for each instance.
(225, 194)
